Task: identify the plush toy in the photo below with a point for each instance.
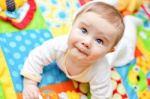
(19, 13)
(126, 7)
(129, 6)
(11, 5)
(81, 87)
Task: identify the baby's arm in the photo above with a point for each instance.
(33, 67)
(30, 90)
(100, 83)
(101, 88)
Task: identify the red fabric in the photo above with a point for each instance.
(83, 1)
(138, 53)
(27, 19)
(145, 10)
(148, 81)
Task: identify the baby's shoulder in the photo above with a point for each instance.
(60, 39)
(101, 68)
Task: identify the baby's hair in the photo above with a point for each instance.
(108, 12)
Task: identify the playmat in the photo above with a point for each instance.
(52, 18)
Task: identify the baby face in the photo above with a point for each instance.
(91, 37)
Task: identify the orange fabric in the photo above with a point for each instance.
(60, 87)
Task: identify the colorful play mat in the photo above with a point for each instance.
(52, 18)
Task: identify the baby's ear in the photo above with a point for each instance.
(112, 50)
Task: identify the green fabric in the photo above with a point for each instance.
(144, 35)
(37, 22)
(2, 95)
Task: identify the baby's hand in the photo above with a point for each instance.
(30, 90)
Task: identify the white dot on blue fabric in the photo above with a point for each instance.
(41, 40)
(37, 31)
(6, 50)
(12, 44)
(24, 58)
(22, 48)
(17, 55)
(11, 61)
(46, 35)
(24, 33)
(27, 41)
(15, 74)
(33, 36)
(2, 40)
(18, 38)
(20, 66)
(36, 44)
(18, 86)
(9, 35)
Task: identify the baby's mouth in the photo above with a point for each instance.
(82, 51)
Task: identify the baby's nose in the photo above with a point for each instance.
(86, 43)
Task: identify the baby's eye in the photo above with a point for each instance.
(84, 30)
(99, 41)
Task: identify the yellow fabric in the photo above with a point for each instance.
(3, 4)
(6, 79)
(129, 5)
(59, 26)
(19, 3)
(143, 50)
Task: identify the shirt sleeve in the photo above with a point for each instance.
(40, 57)
(100, 84)
(124, 51)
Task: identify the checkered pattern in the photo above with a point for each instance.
(10, 5)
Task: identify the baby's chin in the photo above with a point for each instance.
(77, 54)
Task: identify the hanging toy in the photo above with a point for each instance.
(11, 5)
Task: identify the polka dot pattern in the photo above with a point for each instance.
(58, 15)
(123, 75)
(118, 88)
(16, 47)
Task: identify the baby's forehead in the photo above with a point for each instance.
(97, 22)
(99, 27)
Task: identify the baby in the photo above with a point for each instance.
(96, 42)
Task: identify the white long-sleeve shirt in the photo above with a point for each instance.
(98, 75)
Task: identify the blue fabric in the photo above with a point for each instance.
(16, 47)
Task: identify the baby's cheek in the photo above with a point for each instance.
(99, 54)
(94, 57)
